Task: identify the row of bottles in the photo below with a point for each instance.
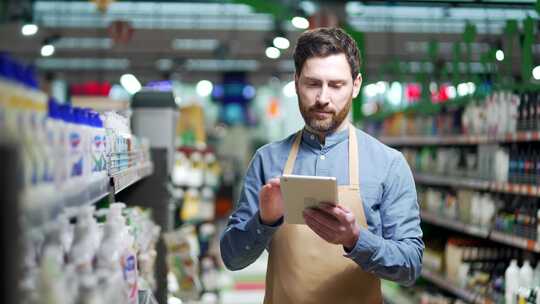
(91, 262)
(524, 164)
(510, 214)
(485, 269)
(499, 113)
(519, 216)
(522, 284)
(519, 163)
(529, 112)
(62, 145)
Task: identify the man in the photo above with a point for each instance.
(372, 232)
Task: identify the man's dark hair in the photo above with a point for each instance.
(323, 42)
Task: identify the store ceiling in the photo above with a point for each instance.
(191, 39)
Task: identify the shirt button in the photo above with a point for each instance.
(247, 247)
(312, 137)
(323, 157)
(259, 231)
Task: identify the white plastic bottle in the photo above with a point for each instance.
(86, 240)
(526, 275)
(109, 253)
(511, 282)
(129, 268)
(87, 135)
(97, 146)
(536, 276)
(75, 146)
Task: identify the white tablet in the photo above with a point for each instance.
(303, 191)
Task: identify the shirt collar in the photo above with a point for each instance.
(331, 139)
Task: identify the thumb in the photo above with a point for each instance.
(274, 182)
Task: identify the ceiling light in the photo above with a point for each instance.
(499, 55)
(462, 89)
(272, 52)
(536, 72)
(204, 88)
(281, 43)
(472, 87)
(395, 94)
(130, 83)
(300, 22)
(381, 87)
(451, 91)
(29, 29)
(371, 90)
(47, 50)
(289, 90)
(195, 44)
(221, 65)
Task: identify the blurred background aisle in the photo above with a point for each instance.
(126, 128)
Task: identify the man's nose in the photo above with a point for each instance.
(323, 97)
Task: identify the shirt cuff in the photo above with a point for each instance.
(366, 246)
(261, 231)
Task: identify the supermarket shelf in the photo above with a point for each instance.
(44, 203)
(515, 241)
(493, 235)
(454, 225)
(525, 136)
(463, 182)
(125, 178)
(452, 287)
(438, 180)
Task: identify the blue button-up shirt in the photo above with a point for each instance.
(391, 247)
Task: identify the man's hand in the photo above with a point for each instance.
(271, 202)
(334, 223)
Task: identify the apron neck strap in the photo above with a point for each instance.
(353, 155)
(289, 165)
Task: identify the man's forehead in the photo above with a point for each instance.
(333, 66)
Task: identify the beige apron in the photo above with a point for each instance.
(303, 268)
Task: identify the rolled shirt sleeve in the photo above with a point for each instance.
(397, 255)
(246, 236)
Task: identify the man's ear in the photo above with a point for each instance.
(357, 83)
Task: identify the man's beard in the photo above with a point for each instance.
(328, 124)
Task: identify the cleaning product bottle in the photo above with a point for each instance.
(129, 268)
(86, 240)
(109, 253)
(536, 276)
(526, 275)
(109, 256)
(511, 279)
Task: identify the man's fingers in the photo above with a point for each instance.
(340, 213)
(319, 230)
(322, 219)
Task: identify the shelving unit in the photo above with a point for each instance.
(125, 178)
(43, 204)
(477, 184)
(469, 229)
(453, 287)
(454, 225)
(515, 241)
(525, 136)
